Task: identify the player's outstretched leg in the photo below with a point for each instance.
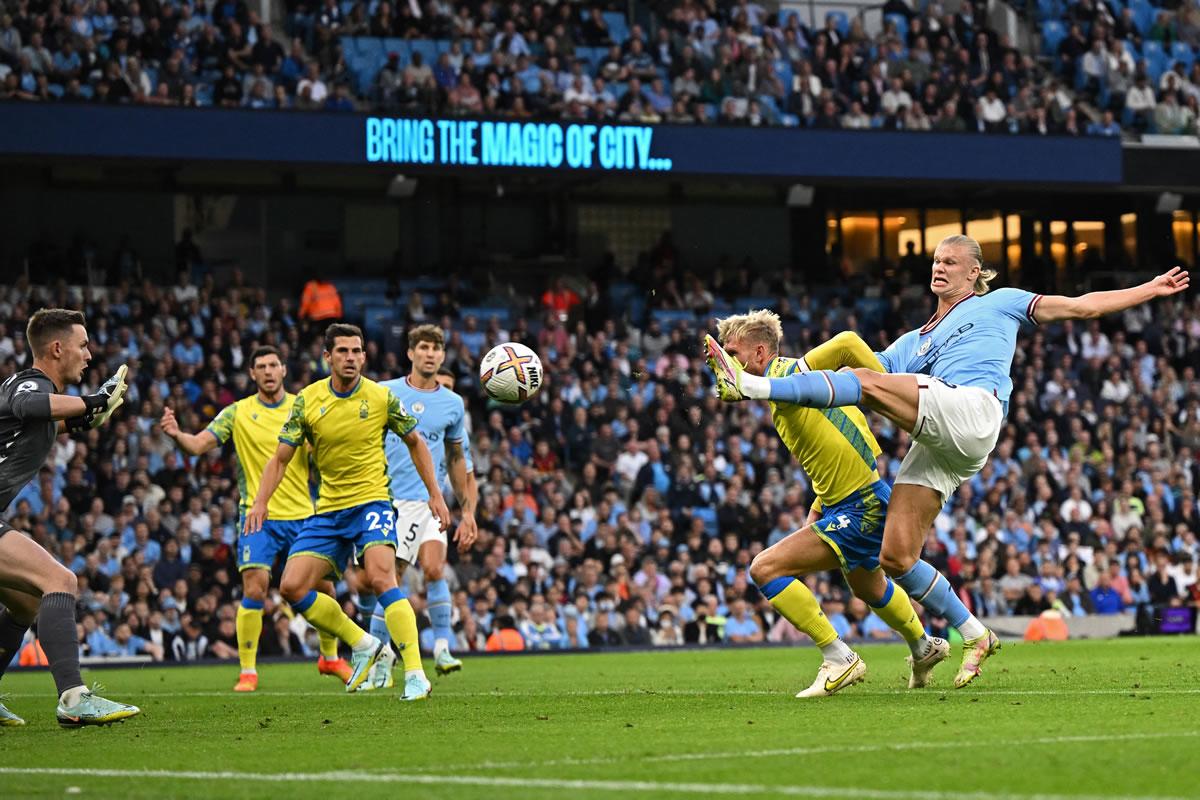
(840, 666)
(892, 604)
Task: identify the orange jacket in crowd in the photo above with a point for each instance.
(505, 639)
(32, 655)
(320, 300)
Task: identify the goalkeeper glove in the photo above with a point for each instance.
(102, 404)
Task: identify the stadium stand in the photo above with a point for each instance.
(624, 490)
(683, 62)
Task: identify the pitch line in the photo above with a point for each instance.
(558, 784)
(973, 692)
(807, 751)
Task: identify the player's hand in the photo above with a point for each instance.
(438, 506)
(255, 518)
(170, 425)
(1169, 283)
(467, 533)
(109, 398)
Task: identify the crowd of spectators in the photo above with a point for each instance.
(684, 62)
(624, 503)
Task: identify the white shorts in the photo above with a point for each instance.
(957, 427)
(415, 525)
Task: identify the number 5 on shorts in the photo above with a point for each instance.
(412, 532)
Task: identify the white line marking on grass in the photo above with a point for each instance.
(807, 751)
(643, 693)
(559, 784)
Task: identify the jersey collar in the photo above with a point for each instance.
(409, 384)
(336, 393)
(282, 398)
(935, 320)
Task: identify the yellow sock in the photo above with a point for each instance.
(897, 611)
(328, 646)
(402, 624)
(799, 607)
(249, 629)
(326, 615)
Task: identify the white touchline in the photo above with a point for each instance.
(561, 783)
(805, 751)
(644, 693)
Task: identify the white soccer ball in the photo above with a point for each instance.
(510, 373)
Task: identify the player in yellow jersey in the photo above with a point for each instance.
(253, 423)
(344, 419)
(845, 525)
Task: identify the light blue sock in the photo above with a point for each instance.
(437, 594)
(931, 589)
(819, 389)
(379, 628)
(366, 604)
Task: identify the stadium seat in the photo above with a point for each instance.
(1053, 32)
(1143, 14)
(670, 318)
(785, 14)
(204, 94)
(1182, 51)
(55, 89)
(618, 28)
(374, 317)
(427, 48)
(789, 121)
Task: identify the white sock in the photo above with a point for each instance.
(367, 642)
(72, 696)
(408, 673)
(837, 652)
(250, 672)
(972, 628)
(756, 387)
(440, 645)
(921, 647)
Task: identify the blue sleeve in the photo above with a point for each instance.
(1016, 304)
(895, 359)
(456, 431)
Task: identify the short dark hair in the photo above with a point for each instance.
(342, 329)
(262, 352)
(426, 333)
(50, 324)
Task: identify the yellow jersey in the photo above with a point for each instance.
(834, 445)
(347, 433)
(254, 427)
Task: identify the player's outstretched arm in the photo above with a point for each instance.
(194, 444)
(847, 349)
(31, 404)
(467, 492)
(423, 460)
(1053, 308)
(271, 478)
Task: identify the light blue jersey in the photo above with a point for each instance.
(971, 345)
(440, 416)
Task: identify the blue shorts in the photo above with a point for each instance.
(259, 550)
(342, 536)
(854, 527)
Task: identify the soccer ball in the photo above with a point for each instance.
(510, 373)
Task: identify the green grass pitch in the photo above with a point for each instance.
(1048, 721)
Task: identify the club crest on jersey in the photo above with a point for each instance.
(924, 348)
(418, 407)
(322, 410)
(363, 410)
(27, 386)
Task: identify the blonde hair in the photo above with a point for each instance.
(986, 275)
(761, 326)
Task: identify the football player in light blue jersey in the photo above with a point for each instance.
(948, 385)
(441, 417)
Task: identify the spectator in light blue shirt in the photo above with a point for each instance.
(188, 351)
(539, 631)
(98, 642)
(742, 626)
